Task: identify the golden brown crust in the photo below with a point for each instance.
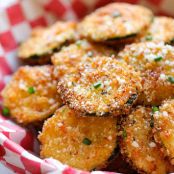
(44, 41)
(143, 56)
(160, 30)
(155, 89)
(155, 61)
(63, 137)
(101, 86)
(69, 57)
(114, 21)
(31, 95)
(138, 144)
(164, 127)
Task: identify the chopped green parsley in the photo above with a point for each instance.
(31, 90)
(131, 99)
(90, 53)
(79, 43)
(5, 111)
(86, 141)
(97, 85)
(171, 79)
(116, 14)
(154, 109)
(149, 38)
(157, 59)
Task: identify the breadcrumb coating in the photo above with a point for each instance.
(115, 21)
(164, 127)
(69, 57)
(160, 30)
(155, 61)
(81, 142)
(44, 41)
(101, 86)
(31, 95)
(138, 145)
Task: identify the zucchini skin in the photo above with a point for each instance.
(37, 60)
(172, 42)
(130, 36)
(42, 59)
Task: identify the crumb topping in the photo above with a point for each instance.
(100, 86)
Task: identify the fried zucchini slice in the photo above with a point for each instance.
(156, 88)
(115, 21)
(160, 30)
(31, 95)
(69, 57)
(164, 127)
(138, 146)
(101, 86)
(44, 41)
(81, 142)
(155, 61)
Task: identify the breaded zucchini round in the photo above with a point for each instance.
(138, 145)
(156, 88)
(81, 142)
(155, 61)
(31, 95)
(69, 57)
(101, 86)
(164, 127)
(160, 30)
(43, 42)
(115, 22)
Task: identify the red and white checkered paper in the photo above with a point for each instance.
(17, 18)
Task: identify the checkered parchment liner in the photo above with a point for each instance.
(17, 18)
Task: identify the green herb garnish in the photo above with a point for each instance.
(152, 19)
(90, 53)
(149, 38)
(86, 141)
(157, 59)
(171, 79)
(97, 85)
(131, 99)
(31, 90)
(5, 111)
(154, 109)
(124, 134)
(79, 43)
(116, 14)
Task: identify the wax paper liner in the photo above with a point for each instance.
(17, 18)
